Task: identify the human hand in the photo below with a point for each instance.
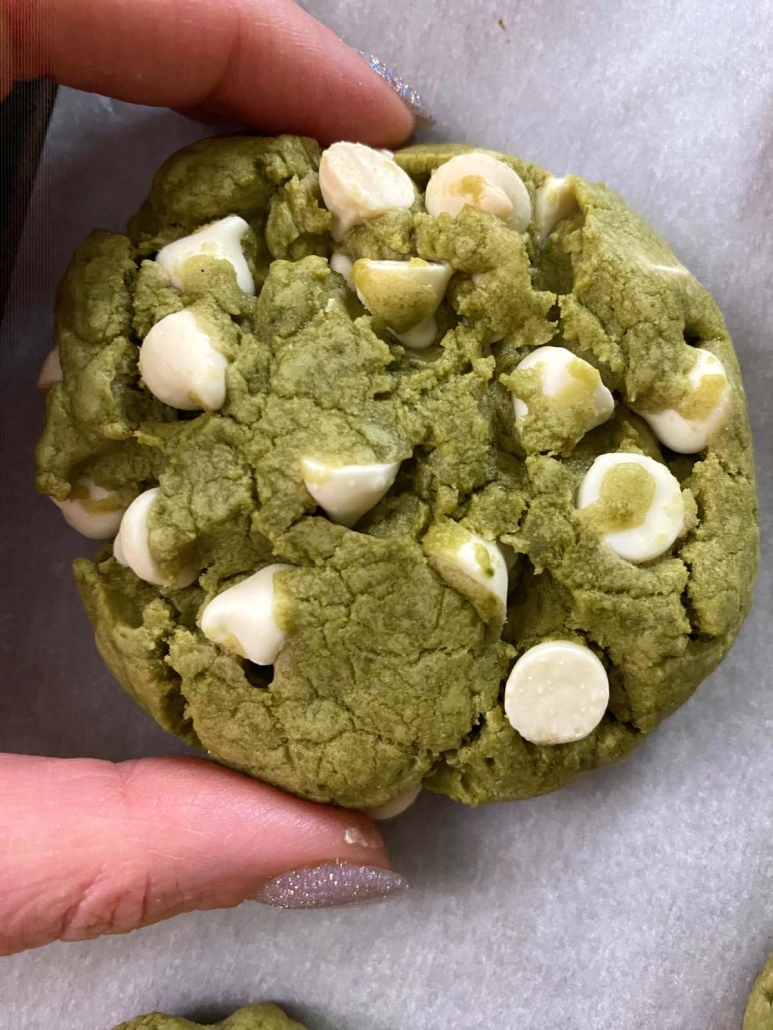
(265, 63)
(90, 847)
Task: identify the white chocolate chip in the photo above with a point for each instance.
(473, 566)
(132, 545)
(343, 265)
(91, 522)
(397, 275)
(664, 519)
(346, 492)
(483, 182)
(396, 806)
(690, 435)
(677, 269)
(420, 336)
(555, 366)
(510, 555)
(556, 693)
(403, 294)
(220, 240)
(180, 366)
(243, 618)
(492, 573)
(50, 370)
(359, 183)
(555, 201)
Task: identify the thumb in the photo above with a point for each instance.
(89, 847)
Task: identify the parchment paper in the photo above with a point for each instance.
(640, 897)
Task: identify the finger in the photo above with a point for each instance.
(264, 62)
(89, 847)
(204, 114)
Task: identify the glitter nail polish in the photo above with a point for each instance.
(407, 93)
(331, 885)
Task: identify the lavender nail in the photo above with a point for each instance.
(330, 886)
(407, 93)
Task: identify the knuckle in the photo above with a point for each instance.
(110, 904)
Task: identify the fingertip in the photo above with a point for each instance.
(265, 63)
(410, 99)
(90, 848)
(206, 116)
(295, 75)
(362, 839)
(276, 829)
(383, 118)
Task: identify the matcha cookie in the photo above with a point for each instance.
(254, 1017)
(759, 1011)
(426, 469)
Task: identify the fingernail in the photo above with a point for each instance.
(331, 885)
(407, 93)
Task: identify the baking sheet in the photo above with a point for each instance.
(639, 897)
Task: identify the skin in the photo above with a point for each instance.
(90, 847)
(265, 63)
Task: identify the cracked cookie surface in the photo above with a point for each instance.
(391, 675)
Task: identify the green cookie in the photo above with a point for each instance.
(759, 1011)
(253, 1017)
(394, 660)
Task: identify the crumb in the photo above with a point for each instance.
(354, 836)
